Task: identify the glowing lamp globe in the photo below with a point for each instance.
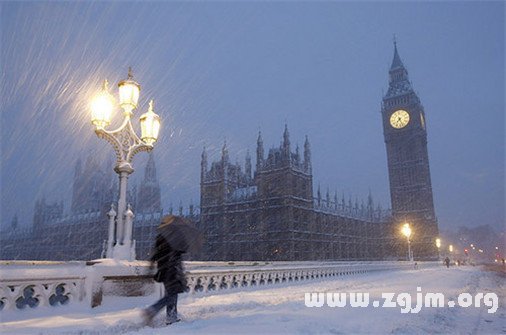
(101, 108)
(150, 125)
(438, 243)
(406, 230)
(129, 93)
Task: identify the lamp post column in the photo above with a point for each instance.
(410, 258)
(110, 239)
(406, 231)
(438, 246)
(123, 170)
(128, 222)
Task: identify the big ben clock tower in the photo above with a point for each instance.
(405, 133)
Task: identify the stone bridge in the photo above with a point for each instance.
(27, 284)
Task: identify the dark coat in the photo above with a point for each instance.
(170, 266)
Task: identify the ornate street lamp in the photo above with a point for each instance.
(406, 231)
(126, 144)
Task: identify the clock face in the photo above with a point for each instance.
(399, 119)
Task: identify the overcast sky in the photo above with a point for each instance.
(224, 70)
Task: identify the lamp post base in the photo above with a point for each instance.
(124, 252)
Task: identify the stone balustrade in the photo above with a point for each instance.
(52, 284)
(41, 292)
(204, 281)
(40, 284)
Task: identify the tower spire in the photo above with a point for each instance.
(247, 165)
(319, 195)
(307, 156)
(203, 165)
(260, 151)
(224, 161)
(224, 152)
(286, 136)
(286, 145)
(399, 83)
(150, 170)
(396, 62)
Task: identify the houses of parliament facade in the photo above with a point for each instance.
(271, 213)
(268, 211)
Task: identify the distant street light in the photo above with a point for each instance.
(406, 231)
(450, 248)
(126, 144)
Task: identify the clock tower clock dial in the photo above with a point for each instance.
(399, 119)
(404, 129)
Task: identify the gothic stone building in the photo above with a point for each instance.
(81, 234)
(271, 213)
(404, 129)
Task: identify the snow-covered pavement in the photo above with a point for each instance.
(281, 309)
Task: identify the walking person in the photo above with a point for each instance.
(447, 262)
(175, 237)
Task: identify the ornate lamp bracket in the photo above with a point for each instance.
(126, 144)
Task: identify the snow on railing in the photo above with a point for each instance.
(34, 293)
(51, 284)
(34, 284)
(203, 281)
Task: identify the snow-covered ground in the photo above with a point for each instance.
(280, 309)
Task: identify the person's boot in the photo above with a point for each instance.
(171, 320)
